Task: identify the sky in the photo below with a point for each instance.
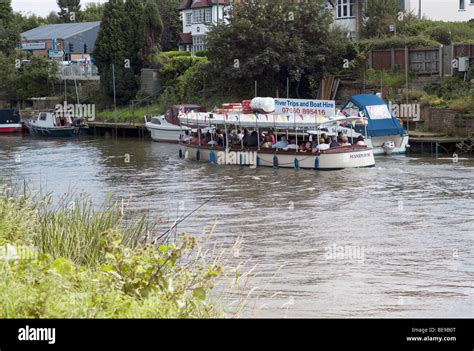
(41, 7)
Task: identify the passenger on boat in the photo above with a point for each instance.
(345, 141)
(334, 143)
(360, 141)
(245, 136)
(252, 140)
(292, 145)
(186, 137)
(272, 136)
(281, 144)
(306, 147)
(234, 138)
(322, 146)
(195, 139)
(268, 143)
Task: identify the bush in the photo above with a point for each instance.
(440, 34)
(76, 261)
(396, 42)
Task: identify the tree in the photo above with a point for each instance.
(269, 41)
(378, 16)
(128, 33)
(9, 30)
(172, 25)
(92, 12)
(70, 10)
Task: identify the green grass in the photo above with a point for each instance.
(75, 260)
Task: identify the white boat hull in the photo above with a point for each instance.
(400, 144)
(164, 135)
(330, 160)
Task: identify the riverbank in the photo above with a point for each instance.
(74, 260)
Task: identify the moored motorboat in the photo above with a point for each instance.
(49, 124)
(385, 133)
(167, 128)
(10, 121)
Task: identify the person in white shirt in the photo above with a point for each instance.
(322, 146)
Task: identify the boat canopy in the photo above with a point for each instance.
(265, 120)
(381, 122)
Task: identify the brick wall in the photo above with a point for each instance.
(449, 122)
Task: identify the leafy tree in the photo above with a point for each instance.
(92, 12)
(36, 78)
(129, 31)
(26, 23)
(270, 41)
(69, 8)
(378, 16)
(53, 18)
(172, 25)
(9, 30)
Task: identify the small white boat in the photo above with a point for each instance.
(353, 156)
(167, 128)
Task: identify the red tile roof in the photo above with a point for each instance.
(185, 38)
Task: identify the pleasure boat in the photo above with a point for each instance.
(353, 156)
(50, 124)
(385, 134)
(10, 121)
(167, 128)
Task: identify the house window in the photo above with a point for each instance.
(462, 5)
(199, 43)
(208, 15)
(345, 8)
(198, 16)
(189, 18)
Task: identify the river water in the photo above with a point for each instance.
(393, 241)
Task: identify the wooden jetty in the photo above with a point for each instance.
(433, 143)
(133, 130)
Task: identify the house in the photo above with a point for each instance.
(441, 10)
(348, 15)
(67, 40)
(197, 16)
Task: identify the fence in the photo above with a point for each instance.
(428, 60)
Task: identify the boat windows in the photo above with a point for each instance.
(156, 120)
(379, 112)
(43, 116)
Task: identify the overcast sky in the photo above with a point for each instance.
(41, 7)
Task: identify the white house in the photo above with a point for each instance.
(347, 15)
(197, 16)
(441, 10)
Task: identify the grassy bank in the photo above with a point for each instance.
(74, 260)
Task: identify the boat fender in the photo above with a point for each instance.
(297, 163)
(198, 155)
(180, 153)
(257, 162)
(240, 159)
(186, 155)
(316, 163)
(212, 157)
(275, 161)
